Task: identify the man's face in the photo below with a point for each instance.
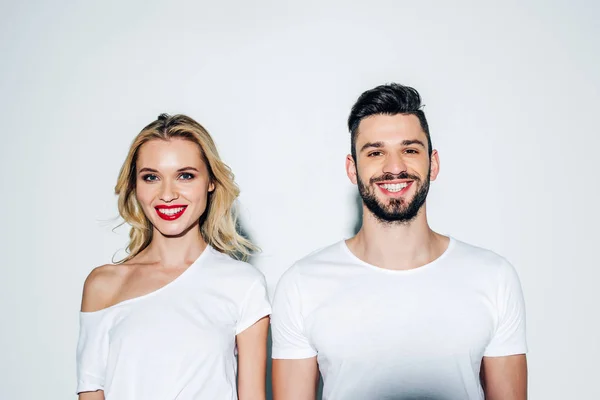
(393, 168)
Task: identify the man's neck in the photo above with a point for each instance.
(397, 246)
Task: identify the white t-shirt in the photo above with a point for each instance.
(177, 342)
(384, 334)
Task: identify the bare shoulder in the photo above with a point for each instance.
(102, 285)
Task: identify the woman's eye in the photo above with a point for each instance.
(150, 178)
(186, 176)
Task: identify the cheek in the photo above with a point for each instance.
(419, 167)
(368, 171)
(144, 194)
(197, 192)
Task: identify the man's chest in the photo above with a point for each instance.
(402, 321)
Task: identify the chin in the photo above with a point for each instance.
(172, 229)
(387, 202)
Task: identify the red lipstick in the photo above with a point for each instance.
(164, 211)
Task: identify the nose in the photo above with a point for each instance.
(168, 192)
(394, 164)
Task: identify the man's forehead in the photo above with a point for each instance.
(390, 128)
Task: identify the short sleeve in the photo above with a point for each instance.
(255, 305)
(287, 322)
(92, 352)
(510, 336)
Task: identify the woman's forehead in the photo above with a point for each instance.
(169, 154)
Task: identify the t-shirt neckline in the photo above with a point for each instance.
(179, 278)
(451, 244)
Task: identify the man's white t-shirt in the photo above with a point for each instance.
(177, 342)
(386, 334)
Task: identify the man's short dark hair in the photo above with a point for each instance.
(390, 99)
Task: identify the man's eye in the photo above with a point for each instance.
(374, 154)
(186, 176)
(150, 178)
(412, 151)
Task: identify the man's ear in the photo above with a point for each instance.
(351, 169)
(434, 165)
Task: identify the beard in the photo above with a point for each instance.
(396, 210)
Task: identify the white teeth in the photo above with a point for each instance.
(394, 187)
(170, 211)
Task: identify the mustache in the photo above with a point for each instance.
(389, 177)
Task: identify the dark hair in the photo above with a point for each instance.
(390, 99)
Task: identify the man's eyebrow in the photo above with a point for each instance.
(413, 141)
(376, 145)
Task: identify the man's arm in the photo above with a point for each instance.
(295, 379)
(295, 368)
(504, 364)
(505, 378)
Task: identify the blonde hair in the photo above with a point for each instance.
(218, 224)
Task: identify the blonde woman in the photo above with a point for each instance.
(180, 317)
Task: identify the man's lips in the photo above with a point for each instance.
(170, 212)
(397, 187)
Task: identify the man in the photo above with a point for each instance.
(398, 311)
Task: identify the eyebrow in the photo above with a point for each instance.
(375, 145)
(145, 169)
(413, 141)
(378, 145)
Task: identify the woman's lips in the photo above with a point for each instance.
(170, 213)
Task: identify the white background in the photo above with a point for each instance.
(512, 94)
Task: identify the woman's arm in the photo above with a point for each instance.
(100, 288)
(252, 361)
(99, 395)
(98, 291)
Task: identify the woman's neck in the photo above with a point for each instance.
(174, 251)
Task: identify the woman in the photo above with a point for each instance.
(167, 321)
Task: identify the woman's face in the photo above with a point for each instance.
(172, 184)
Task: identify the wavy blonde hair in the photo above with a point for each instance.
(218, 224)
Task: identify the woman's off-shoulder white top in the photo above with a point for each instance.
(177, 342)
